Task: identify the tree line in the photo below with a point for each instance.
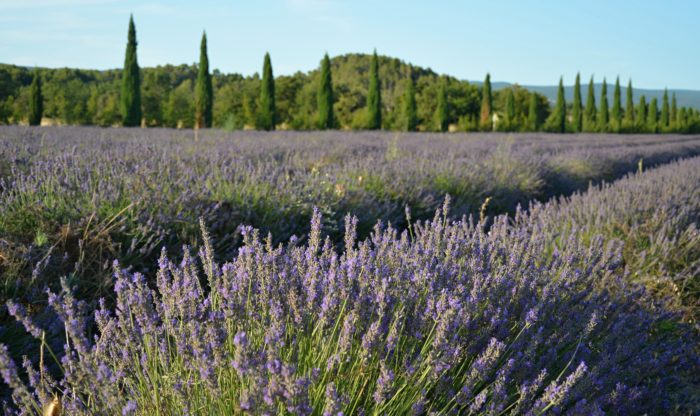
(351, 91)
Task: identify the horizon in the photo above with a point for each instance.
(91, 34)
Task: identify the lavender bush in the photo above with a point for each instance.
(73, 199)
(657, 217)
(442, 318)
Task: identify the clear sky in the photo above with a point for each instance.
(526, 41)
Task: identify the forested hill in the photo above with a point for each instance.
(79, 96)
(91, 97)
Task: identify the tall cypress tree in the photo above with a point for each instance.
(374, 97)
(409, 103)
(603, 115)
(616, 114)
(441, 111)
(36, 101)
(665, 116)
(682, 119)
(629, 108)
(589, 114)
(325, 96)
(203, 90)
(486, 105)
(653, 116)
(532, 113)
(557, 120)
(674, 112)
(131, 82)
(642, 113)
(510, 111)
(577, 111)
(267, 112)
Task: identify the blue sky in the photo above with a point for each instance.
(529, 42)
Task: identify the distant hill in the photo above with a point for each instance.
(685, 98)
(83, 96)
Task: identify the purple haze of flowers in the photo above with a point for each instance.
(477, 320)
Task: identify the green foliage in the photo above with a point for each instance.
(642, 114)
(589, 114)
(577, 110)
(653, 116)
(674, 112)
(441, 110)
(36, 101)
(665, 113)
(486, 105)
(556, 122)
(628, 120)
(91, 97)
(131, 82)
(603, 114)
(267, 113)
(325, 96)
(203, 92)
(180, 108)
(409, 105)
(510, 121)
(532, 121)
(616, 113)
(374, 97)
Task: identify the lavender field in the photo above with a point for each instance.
(349, 273)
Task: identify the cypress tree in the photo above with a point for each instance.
(603, 115)
(486, 105)
(682, 119)
(653, 116)
(36, 101)
(557, 120)
(616, 113)
(203, 91)
(665, 116)
(532, 113)
(441, 110)
(374, 97)
(325, 96)
(267, 117)
(510, 110)
(409, 102)
(131, 82)
(674, 112)
(577, 114)
(629, 108)
(589, 114)
(642, 112)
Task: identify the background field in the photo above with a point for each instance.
(88, 195)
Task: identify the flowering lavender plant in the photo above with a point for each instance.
(448, 317)
(73, 199)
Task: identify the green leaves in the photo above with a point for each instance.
(131, 83)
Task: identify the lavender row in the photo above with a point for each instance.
(442, 318)
(656, 216)
(72, 199)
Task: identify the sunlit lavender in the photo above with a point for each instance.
(74, 199)
(550, 311)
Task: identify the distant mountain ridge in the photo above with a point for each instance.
(684, 97)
